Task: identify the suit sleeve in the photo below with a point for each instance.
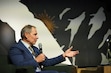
(53, 61)
(50, 61)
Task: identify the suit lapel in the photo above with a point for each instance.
(23, 48)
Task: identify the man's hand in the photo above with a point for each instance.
(70, 53)
(40, 58)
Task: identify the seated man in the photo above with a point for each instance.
(24, 53)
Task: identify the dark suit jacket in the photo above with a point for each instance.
(20, 56)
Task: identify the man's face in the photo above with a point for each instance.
(32, 37)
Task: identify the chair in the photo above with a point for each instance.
(62, 68)
(4, 66)
(7, 67)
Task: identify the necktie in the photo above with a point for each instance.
(33, 53)
(31, 49)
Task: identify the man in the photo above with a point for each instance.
(24, 53)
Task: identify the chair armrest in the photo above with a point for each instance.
(64, 68)
(25, 69)
(7, 68)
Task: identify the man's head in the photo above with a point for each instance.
(29, 34)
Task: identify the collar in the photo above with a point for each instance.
(26, 44)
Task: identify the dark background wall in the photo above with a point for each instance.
(80, 13)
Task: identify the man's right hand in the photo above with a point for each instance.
(40, 58)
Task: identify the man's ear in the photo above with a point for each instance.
(26, 35)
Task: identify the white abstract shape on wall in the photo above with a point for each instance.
(104, 59)
(74, 26)
(96, 21)
(63, 12)
(104, 39)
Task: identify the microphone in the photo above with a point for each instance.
(40, 47)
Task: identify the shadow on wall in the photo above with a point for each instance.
(7, 37)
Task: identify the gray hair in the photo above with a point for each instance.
(25, 29)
